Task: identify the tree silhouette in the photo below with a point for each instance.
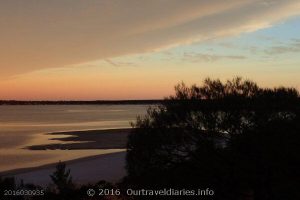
(62, 179)
(234, 137)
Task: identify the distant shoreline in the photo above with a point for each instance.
(95, 102)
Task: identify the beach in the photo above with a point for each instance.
(109, 167)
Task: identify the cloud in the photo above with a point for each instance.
(38, 34)
(289, 48)
(199, 57)
(118, 63)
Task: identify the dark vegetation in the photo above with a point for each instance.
(236, 138)
(62, 188)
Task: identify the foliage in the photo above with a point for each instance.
(64, 188)
(62, 181)
(234, 137)
(61, 177)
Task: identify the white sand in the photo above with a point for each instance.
(109, 167)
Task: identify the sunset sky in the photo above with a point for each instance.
(134, 49)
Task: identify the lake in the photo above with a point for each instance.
(25, 125)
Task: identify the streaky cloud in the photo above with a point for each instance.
(39, 34)
(282, 49)
(200, 57)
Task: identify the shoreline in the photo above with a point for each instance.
(87, 139)
(89, 169)
(109, 167)
(13, 172)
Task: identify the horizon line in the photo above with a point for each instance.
(55, 102)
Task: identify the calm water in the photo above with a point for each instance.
(21, 126)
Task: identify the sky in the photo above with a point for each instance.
(132, 49)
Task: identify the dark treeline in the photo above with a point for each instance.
(96, 102)
(208, 104)
(239, 139)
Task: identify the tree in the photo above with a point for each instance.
(215, 135)
(62, 179)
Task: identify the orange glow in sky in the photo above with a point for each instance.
(89, 50)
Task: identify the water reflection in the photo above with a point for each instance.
(22, 126)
